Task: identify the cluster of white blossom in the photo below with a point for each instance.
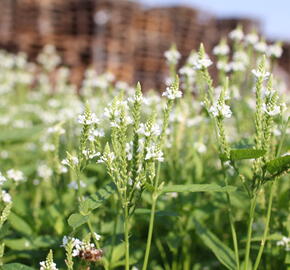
(220, 110)
(107, 157)
(148, 131)
(259, 45)
(15, 175)
(74, 185)
(261, 75)
(284, 242)
(172, 55)
(221, 49)
(172, 93)
(154, 153)
(271, 110)
(88, 119)
(199, 63)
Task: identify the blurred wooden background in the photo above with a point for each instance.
(119, 36)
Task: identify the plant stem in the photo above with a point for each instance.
(162, 254)
(150, 231)
(250, 225)
(263, 241)
(232, 223)
(126, 236)
(233, 230)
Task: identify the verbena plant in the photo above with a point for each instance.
(194, 179)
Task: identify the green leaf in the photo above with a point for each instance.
(76, 220)
(246, 153)
(19, 224)
(223, 253)
(96, 200)
(198, 188)
(19, 134)
(19, 244)
(278, 165)
(16, 266)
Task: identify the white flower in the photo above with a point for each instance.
(200, 147)
(273, 111)
(237, 66)
(15, 175)
(274, 50)
(44, 171)
(221, 65)
(220, 110)
(251, 38)
(6, 198)
(221, 49)
(88, 119)
(285, 242)
(2, 179)
(172, 56)
(129, 150)
(187, 71)
(199, 63)
(66, 239)
(74, 160)
(48, 147)
(258, 74)
(153, 152)
(46, 265)
(107, 157)
(261, 47)
(236, 34)
(144, 130)
(74, 185)
(172, 93)
(56, 129)
(71, 160)
(97, 236)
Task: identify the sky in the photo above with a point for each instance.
(273, 14)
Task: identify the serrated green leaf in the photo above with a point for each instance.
(76, 220)
(278, 165)
(19, 224)
(198, 188)
(96, 200)
(244, 153)
(223, 253)
(16, 266)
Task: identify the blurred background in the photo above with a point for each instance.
(129, 38)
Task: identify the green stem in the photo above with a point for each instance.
(114, 233)
(162, 254)
(263, 241)
(233, 230)
(249, 235)
(150, 231)
(126, 236)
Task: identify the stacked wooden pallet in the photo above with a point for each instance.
(154, 30)
(224, 26)
(113, 45)
(116, 36)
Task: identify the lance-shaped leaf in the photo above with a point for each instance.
(75, 220)
(278, 165)
(223, 253)
(198, 188)
(96, 200)
(16, 266)
(246, 153)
